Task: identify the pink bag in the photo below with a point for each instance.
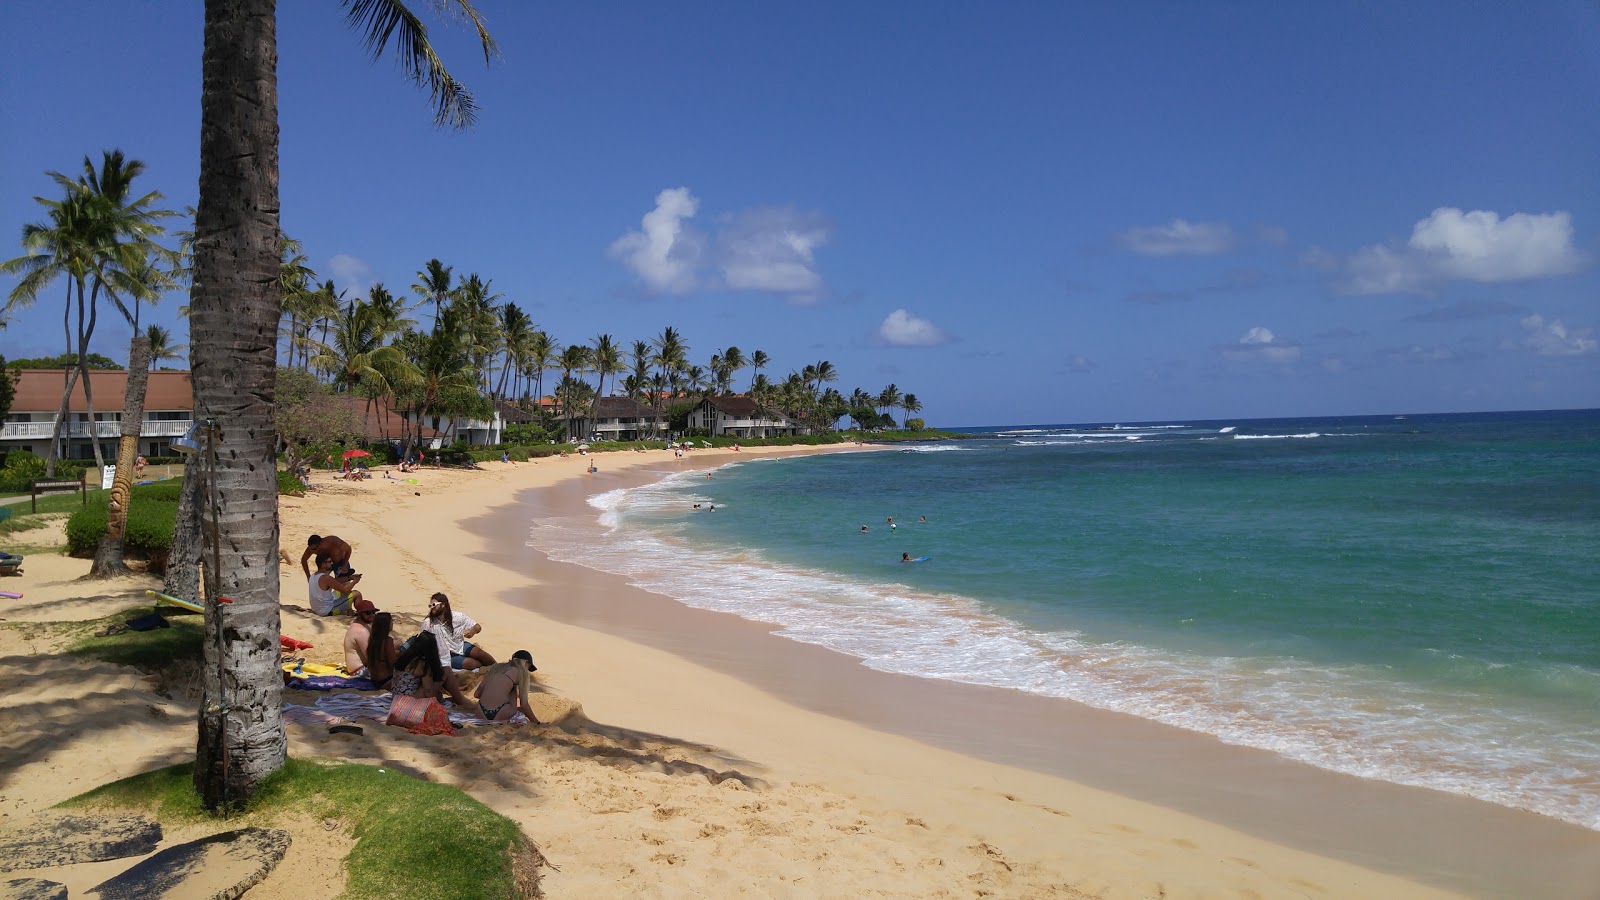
(420, 715)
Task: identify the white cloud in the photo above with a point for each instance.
(1451, 245)
(902, 329)
(350, 273)
(1259, 344)
(1552, 338)
(772, 249)
(665, 251)
(1179, 238)
(1080, 364)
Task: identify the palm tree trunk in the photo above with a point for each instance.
(62, 417)
(108, 558)
(235, 304)
(183, 563)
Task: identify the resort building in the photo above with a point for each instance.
(619, 419)
(730, 416)
(168, 413)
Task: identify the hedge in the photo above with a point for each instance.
(151, 520)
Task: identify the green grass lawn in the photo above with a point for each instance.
(414, 838)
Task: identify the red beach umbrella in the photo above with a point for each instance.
(349, 453)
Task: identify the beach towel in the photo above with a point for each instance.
(420, 715)
(289, 643)
(301, 667)
(310, 715)
(376, 707)
(331, 683)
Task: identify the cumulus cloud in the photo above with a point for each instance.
(665, 250)
(1179, 237)
(350, 273)
(1259, 344)
(1552, 338)
(768, 249)
(902, 329)
(772, 249)
(1451, 245)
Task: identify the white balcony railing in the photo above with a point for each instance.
(149, 428)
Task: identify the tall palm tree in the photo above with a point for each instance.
(640, 354)
(670, 358)
(758, 361)
(911, 405)
(234, 311)
(541, 354)
(516, 329)
(434, 286)
(889, 398)
(295, 283)
(161, 346)
(575, 358)
(480, 317)
(606, 359)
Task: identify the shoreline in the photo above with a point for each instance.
(1449, 840)
(695, 753)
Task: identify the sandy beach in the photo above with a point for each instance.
(695, 754)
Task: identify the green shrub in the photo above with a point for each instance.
(151, 520)
(289, 484)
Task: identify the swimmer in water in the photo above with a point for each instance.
(905, 557)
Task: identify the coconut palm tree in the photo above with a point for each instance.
(889, 398)
(102, 240)
(434, 286)
(911, 405)
(296, 283)
(758, 361)
(542, 352)
(234, 310)
(670, 357)
(606, 359)
(161, 346)
(516, 329)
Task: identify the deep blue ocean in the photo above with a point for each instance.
(1415, 599)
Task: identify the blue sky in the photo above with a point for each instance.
(1021, 212)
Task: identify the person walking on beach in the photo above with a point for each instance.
(331, 547)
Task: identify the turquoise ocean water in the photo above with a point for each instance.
(1415, 599)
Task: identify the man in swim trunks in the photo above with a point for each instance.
(329, 546)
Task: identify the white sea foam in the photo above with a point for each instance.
(1351, 719)
(1275, 437)
(1228, 430)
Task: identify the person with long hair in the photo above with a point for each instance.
(452, 630)
(382, 653)
(503, 692)
(419, 672)
(417, 680)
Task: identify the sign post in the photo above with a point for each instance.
(46, 488)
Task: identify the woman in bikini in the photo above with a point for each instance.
(503, 692)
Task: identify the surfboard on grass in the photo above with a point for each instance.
(170, 600)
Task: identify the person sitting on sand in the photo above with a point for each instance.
(330, 594)
(503, 692)
(452, 630)
(329, 546)
(381, 651)
(418, 672)
(358, 636)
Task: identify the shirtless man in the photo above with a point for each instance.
(357, 636)
(331, 547)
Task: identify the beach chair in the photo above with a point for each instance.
(10, 564)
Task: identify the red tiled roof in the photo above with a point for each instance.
(39, 390)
